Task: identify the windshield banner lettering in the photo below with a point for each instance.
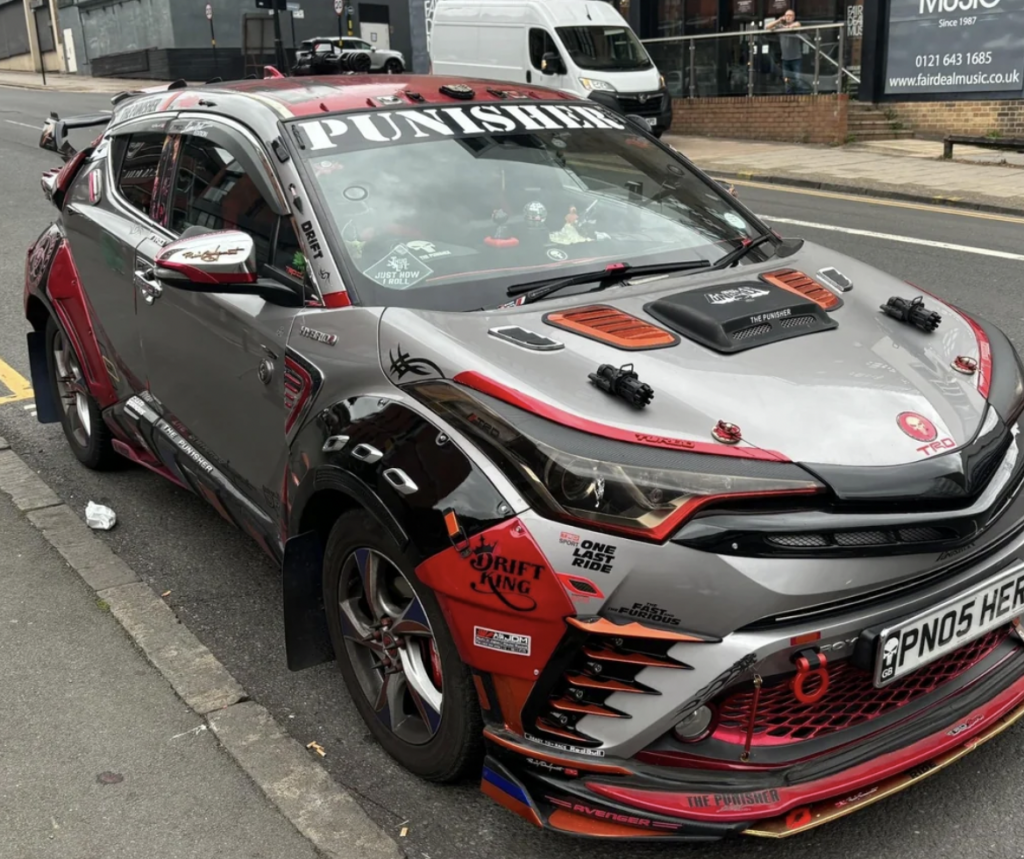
(357, 131)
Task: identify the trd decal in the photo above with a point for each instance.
(732, 800)
(506, 642)
(402, 365)
(648, 611)
(314, 243)
(937, 446)
(567, 538)
(596, 557)
(508, 579)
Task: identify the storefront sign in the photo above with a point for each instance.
(743, 10)
(955, 46)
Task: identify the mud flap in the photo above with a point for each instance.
(46, 408)
(307, 639)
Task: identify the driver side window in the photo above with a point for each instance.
(541, 43)
(213, 192)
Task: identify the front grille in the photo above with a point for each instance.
(632, 104)
(851, 700)
(878, 537)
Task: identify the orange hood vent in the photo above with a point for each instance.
(612, 326)
(808, 287)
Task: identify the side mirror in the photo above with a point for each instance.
(222, 259)
(222, 262)
(551, 64)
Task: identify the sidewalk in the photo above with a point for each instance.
(72, 83)
(104, 748)
(909, 170)
(98, 757)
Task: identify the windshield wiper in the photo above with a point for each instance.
(735, 256)
(606, 277)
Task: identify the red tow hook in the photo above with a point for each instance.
(810, 663)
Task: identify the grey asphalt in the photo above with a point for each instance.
(98, 756)
(229, 595)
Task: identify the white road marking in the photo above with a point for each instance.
(889, 237)
(24, 125)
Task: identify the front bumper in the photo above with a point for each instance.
(656, 107)
(598, 797)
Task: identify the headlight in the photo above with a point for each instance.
(605, 485)
(600, 86)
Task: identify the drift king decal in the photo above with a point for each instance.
(360, 130)
(504, 604)
(509, 579)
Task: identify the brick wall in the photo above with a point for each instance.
(789, 118)
(935, 119)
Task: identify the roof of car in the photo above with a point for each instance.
(307, 96)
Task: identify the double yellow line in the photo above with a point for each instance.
(13, 381)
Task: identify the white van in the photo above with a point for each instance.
(579, 46)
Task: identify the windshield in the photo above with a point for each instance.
(446, 208)
(609, 48)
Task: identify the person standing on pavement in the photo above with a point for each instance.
(792, 50)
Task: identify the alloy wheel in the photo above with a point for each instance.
(391, 646)
(73, 392)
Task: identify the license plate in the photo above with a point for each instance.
(916, 642)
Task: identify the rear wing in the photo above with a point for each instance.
(56, 131)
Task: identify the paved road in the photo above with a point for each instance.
(229, 595)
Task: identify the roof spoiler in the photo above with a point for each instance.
(55, 132)
(128, 93)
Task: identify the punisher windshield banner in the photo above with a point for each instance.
(415, 125)
(955, 46)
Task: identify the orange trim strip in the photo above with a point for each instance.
(803, 285)
(602, 626)
(566, 821)
(451, 523)
(572, 763)
(612, 326)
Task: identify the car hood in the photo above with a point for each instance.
(832, 397)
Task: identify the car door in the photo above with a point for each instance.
(215, 363)
(108, 215)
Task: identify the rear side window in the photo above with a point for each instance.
(136, 175)
(541, 43)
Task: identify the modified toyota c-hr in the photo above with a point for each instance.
(584, 476)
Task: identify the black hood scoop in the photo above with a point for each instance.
(740, 316)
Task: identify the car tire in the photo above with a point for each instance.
(88, 436)
(392, 67)
(437, 737)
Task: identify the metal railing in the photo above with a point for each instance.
(749, 62)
